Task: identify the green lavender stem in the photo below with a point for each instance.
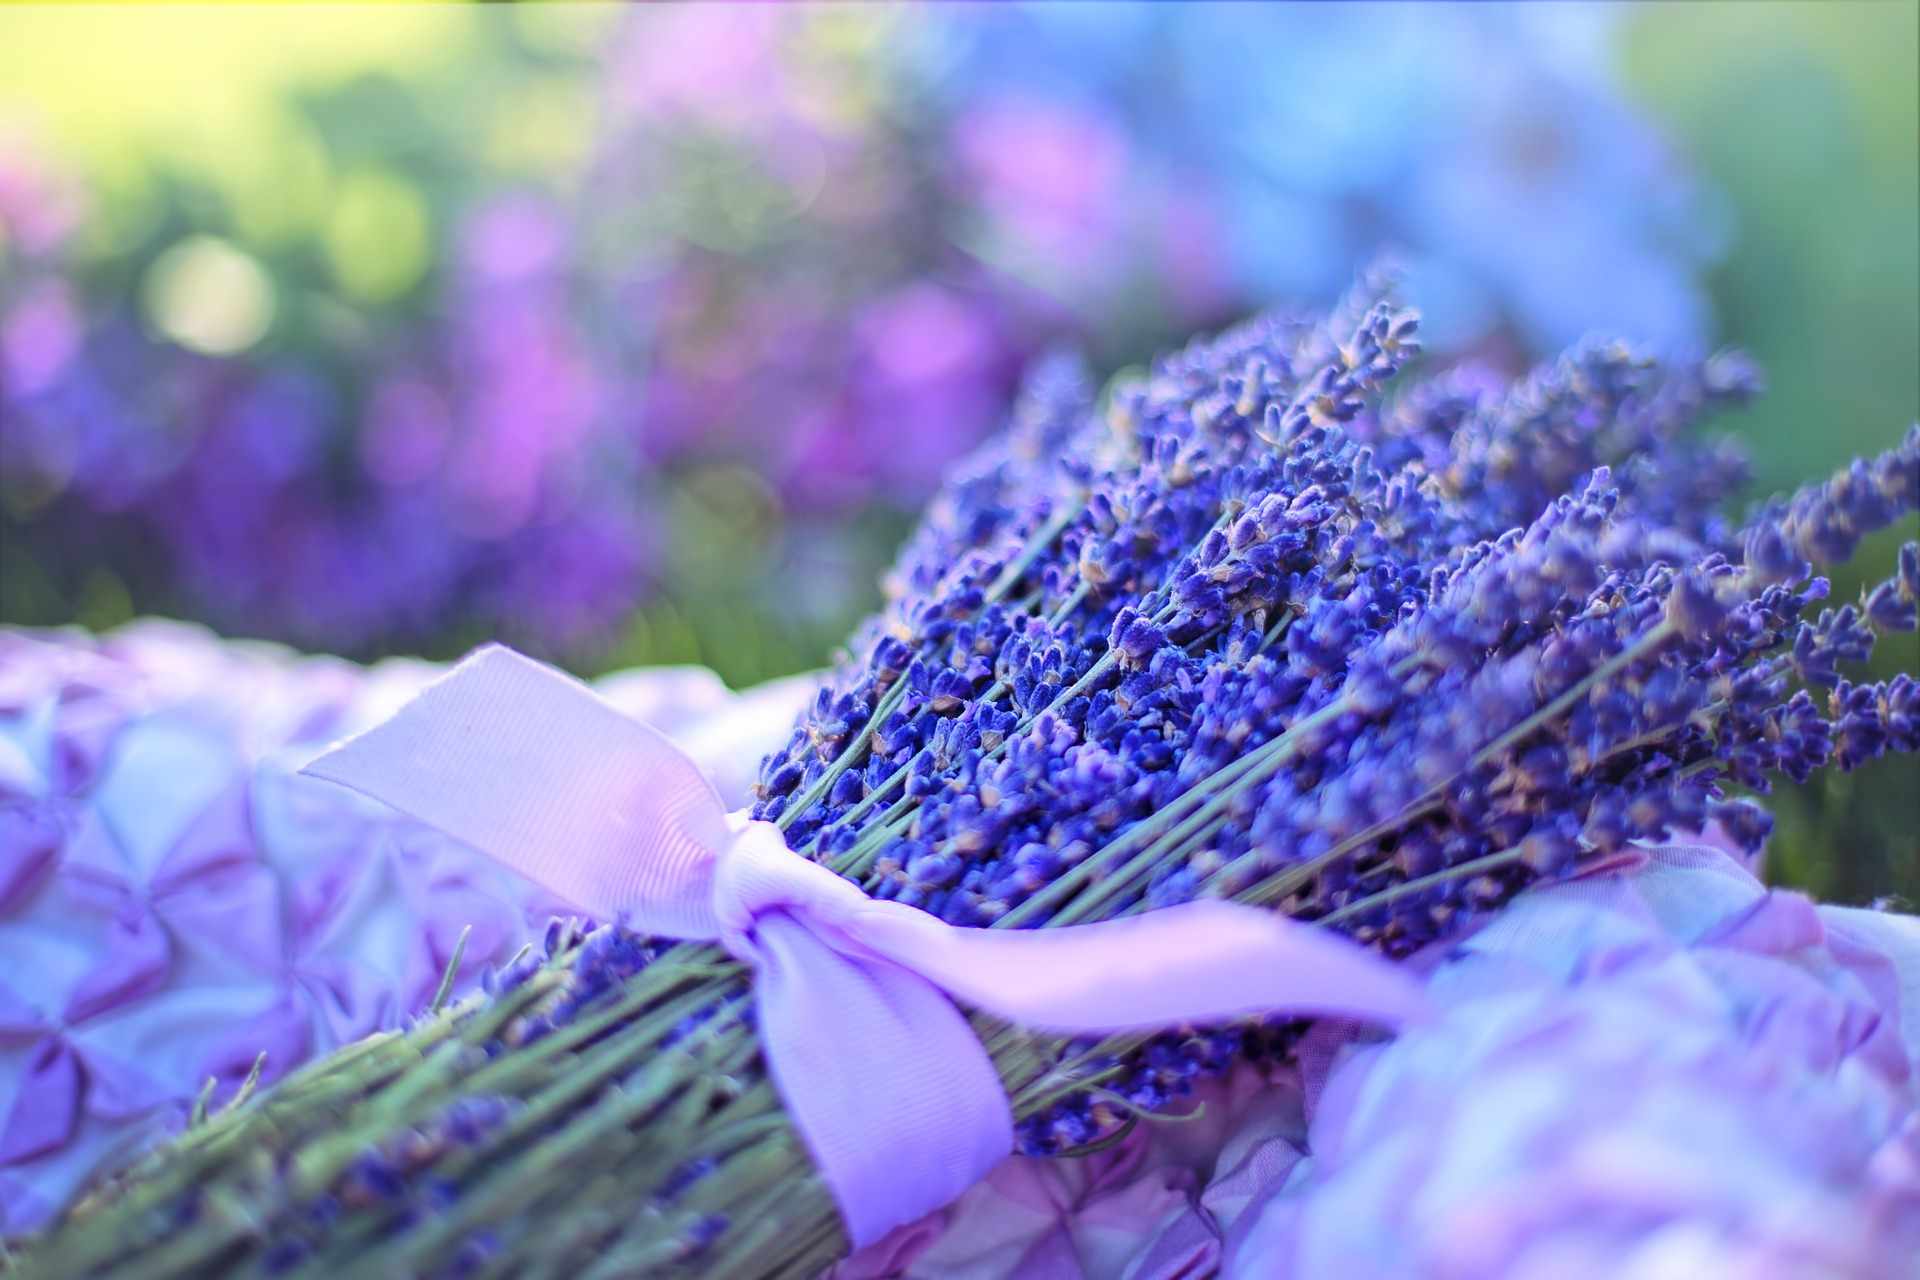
(890, 701)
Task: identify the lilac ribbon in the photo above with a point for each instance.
(894, 1097)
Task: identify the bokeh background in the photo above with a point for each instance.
(637, 336)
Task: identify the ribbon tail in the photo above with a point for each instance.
(889, 1088)
(1205, 961)
(538, 772)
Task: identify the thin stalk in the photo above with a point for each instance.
(1041, 540)
(1228, 778)
(452, 971)
(1284, 881)
(891, 699)
(1073, 601)
(1287, 616)
(1656, 635)
(887, 704)
(1411, 888)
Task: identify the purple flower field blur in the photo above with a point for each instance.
(791, 269)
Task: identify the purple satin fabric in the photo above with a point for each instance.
(895, 1098)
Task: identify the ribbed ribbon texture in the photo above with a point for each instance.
(894, 1097)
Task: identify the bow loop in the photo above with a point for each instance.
(758, 874)
(538, 772)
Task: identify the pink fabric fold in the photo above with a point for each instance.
(535, 770)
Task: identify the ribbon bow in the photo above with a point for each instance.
(894, 1097)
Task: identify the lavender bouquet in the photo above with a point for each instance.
(1254, 630)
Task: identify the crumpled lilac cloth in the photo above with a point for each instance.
(175, 899)
(1663, 1071)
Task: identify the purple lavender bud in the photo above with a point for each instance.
(781, 781)
(933, 870)
(474, 1253)
(470, 1118)
(890, 658)
(848, 789)
(1552, 846)
(1136, 641)
(284, 1255)
(1893, 605)
(1746, 823)
(1825, 522)
(1838, 636)
(950, 693)
(1886, 610)
(373, 1176)
(1871, 719)
(1769, 557)
(685, 1176)
(1694, 608)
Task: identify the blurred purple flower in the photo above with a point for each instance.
(686, 65)
(1048, 175)
(818, 245)
(40, 205)
(42, 334)
(1490, 143)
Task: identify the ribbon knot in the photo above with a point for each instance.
(757, 874)
(894, 1097)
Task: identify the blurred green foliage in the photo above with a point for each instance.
(1805, 116)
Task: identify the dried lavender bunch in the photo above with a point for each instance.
(1256, 630)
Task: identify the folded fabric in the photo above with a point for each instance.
(1664, 1070)
(174, 899)
(1668, 1072)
